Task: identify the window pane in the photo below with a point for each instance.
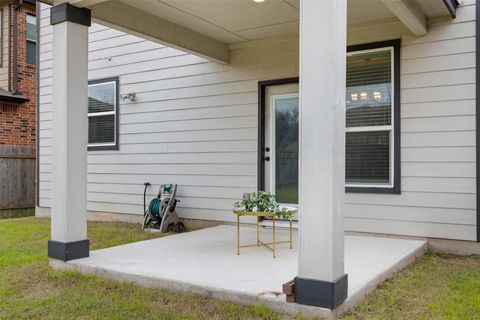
(31, 53)
(101, 129)
(369, 89)
(286, 150)
(368, 157)
(101, 97)
(1, 38)
(31, 28)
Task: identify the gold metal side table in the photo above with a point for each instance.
(269, 245)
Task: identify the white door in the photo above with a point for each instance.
(281, 141)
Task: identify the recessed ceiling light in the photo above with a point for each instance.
(258, 1)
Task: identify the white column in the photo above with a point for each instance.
(70, 134)
(322, 153)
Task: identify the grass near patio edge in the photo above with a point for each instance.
(436, 287)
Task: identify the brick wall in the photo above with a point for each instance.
(18, 121)
(18, 126)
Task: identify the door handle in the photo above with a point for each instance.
(267, 158)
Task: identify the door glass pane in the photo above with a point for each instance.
(369, 89)
(368, 157)
(286, 150)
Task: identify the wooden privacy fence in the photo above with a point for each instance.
(17, 181)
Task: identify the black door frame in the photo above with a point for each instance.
(262, 86)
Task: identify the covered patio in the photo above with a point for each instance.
(329, 268)
(205, 262)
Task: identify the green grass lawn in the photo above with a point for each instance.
(436, 287)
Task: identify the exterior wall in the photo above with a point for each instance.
(437, 131)
(18, 121)
(195, 123)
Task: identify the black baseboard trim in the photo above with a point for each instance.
(319, 293)
(66, 251)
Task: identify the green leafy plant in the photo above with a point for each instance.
(262, 202)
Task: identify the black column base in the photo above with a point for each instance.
(66, 251)
(321, 293)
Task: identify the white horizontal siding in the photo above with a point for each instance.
(194, 123)
(413, 228)
(438, 109)
(438, 139)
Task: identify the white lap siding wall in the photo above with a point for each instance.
(195, 123)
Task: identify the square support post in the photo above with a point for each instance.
(321, 279)
(70, 133)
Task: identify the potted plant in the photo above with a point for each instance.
(263, 202)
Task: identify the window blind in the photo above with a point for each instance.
(368, 157)
(101, 129)
(369, 118)
(102, 114)
(369, 88)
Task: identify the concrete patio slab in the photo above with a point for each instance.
(205, 262)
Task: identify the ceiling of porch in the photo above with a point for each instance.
(207, 27)
(243, 20)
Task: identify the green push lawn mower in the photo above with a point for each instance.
(161, 214)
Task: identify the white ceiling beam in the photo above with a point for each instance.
(410, 14)
(122, 17)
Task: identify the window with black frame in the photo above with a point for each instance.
(102, 114)
(370, 119)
